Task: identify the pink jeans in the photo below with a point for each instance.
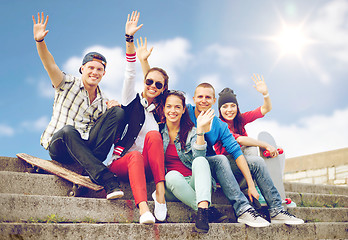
(137, 167)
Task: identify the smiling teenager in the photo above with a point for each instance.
(139, 154)
(84, 123)
(188, 176)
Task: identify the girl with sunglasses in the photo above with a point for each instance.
(188, 176)
(139, 154)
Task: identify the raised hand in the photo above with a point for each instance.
(204, 120)
(142, 52)
(260, 84)
(132, 22)
(39, 28)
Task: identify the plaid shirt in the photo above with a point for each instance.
(72, 107)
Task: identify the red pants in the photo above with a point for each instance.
(137, 166)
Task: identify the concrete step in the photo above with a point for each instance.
(315, 199)
(16, 165)
(171, 231)
(315, 188)
(51, 185)
(18, 207)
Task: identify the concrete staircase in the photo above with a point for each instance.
(35, 206)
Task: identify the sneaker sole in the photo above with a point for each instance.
(115, 195)
(286, 222)
(220, 220)
(253, 225)
(198, 230)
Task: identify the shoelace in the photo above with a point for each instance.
(254, 213)
(203, 216)
(286, 213)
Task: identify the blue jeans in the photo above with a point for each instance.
(68, 147)
(222, 172)
(260, 174)
(190, 190)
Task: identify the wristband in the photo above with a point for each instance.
(40, 40)
(200, 134)
(267, 95)
(129, 38)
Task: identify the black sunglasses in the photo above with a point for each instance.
(158, 85)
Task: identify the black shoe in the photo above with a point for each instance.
(215, 216)
(113, 189)
(202, 222)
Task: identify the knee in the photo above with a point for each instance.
(172, 178)
(154, 136)
(135, 157)
(68, 130)
(117, 113)
(199, 161)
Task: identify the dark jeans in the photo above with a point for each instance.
(67, 146)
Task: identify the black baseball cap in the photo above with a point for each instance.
(93, 56)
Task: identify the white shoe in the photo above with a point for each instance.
(287, 218)
(253, 219)
(117, 193)
(147, 218)
(160, 209)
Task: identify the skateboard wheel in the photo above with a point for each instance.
(74, 191)
(287, 200)
(266, 153)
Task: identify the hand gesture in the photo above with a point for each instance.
(260, 84)
(39, 28)
(204, 120)
(142, 52)
(132, 22)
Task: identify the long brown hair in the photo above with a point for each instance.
(185, 122)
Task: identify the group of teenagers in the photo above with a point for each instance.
(185, 149)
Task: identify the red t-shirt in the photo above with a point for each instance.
(173, 161)
(247, 117)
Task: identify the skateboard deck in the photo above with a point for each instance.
(275, 165)
(56, 168)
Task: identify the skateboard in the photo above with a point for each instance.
(275, 166)
(37, 164)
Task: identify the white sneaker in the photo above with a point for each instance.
(117, 193)
(287, 218)
(253, 219)
(147, 218)
(160, 209)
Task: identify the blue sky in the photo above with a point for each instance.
(221, 42)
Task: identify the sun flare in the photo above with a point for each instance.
(291, 40)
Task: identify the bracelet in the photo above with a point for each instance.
(267, 95)
(129, 38)
(40, 40)
(200, 134)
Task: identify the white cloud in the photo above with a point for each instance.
(113, 80)
(222, 55)
(6, 130)
(37, 125)
(330, 28)
(172, 55)
(45, 88)
(309, 135)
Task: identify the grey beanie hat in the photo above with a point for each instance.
(225, 96)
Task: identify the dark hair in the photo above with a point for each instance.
(185, 122)
(237, 121)
(159, 100)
